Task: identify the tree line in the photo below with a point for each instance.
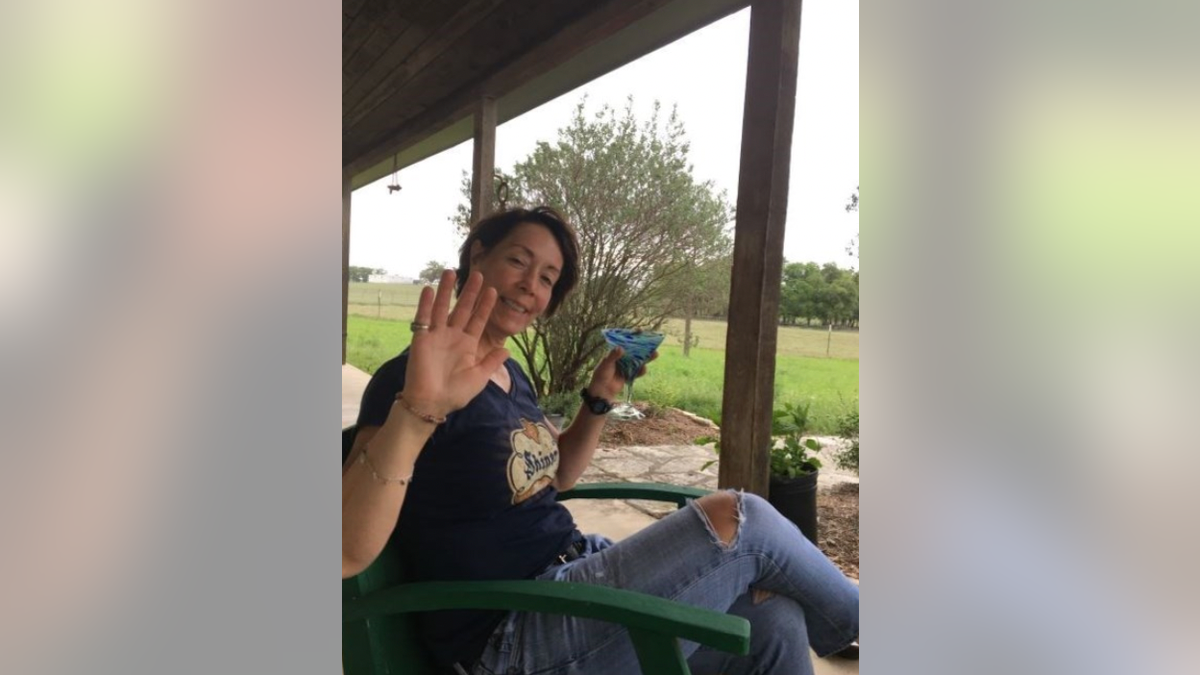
(825, 293)
(363, 273)
(813, 293)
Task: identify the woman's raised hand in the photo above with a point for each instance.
(607, 379)
(447, 365)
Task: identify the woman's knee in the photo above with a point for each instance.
(753, 501)
(722, 510)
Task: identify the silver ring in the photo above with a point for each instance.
(418, 326)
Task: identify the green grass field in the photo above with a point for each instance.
(694, 383)
(802, 371)
(384, 301)
(791, 340)
(399, 302)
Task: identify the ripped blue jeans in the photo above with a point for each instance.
(793, 596)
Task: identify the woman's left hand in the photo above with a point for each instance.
(607, 380)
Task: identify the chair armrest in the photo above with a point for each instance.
(637, 611)
(659, 492)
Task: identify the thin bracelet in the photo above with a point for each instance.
(432, 419)
(363, 459)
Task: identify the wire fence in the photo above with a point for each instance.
(383, 301)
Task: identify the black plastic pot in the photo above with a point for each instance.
(796, 499)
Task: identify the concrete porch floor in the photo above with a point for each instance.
(617, 519)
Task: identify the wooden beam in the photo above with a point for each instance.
(750, 342)
(602, 22)
(346, 177)
(484, 164)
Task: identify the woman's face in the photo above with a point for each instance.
(523, 268)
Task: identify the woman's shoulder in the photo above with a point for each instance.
(514, 367)
(387, 381)
(518, 374)
(393, 367)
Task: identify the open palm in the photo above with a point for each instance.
(446, 367)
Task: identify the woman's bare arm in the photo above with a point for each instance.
(577, 444)
(444, 372)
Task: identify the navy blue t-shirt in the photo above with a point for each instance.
(481, 505)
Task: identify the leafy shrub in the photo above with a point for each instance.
(847, 427)
(655, 410)
(565, 404)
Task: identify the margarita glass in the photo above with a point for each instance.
(639, 345)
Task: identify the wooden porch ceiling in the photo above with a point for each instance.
(414, 70)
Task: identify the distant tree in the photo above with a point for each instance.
(700, 292)
(643, 223)
(363, 274)
(802, 284)
(852, 206)
(845, 289)
(432, 272)
(837, 298)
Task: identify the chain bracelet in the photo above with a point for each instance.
(365, 460)
(430, 418)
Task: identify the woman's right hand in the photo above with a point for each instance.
(446, 365)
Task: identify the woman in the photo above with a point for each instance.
(453, 451)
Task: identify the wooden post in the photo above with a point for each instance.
(769, 109)
(345, 258)
(484, 163)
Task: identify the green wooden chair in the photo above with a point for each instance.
(379, 634)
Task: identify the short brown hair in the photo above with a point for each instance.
(492, 229)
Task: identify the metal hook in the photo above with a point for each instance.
(395, 185)
(501, 191)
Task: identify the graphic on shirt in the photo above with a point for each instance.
(534, 460)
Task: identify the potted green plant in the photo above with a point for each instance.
(794, 467)
(560, 408)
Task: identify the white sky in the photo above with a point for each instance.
(704, 74)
